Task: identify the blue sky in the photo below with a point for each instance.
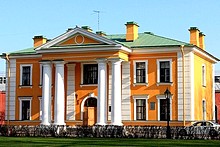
(20, 20)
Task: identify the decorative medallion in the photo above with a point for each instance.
(79, 39)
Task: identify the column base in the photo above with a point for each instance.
(45, 124)
(116, 124)
(100, 124)
(59, 124)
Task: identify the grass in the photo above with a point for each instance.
(39, 141)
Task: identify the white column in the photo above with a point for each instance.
(59, 93)
(46, 93)
(116, 93)
(102, 97)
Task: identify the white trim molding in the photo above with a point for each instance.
(71, 95)
(137, 97)
(40, 108)
(20, 105)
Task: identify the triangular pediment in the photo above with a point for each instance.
(76, 37)
(79, 39)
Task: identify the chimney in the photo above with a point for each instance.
(131, 31)
(101, 33)
(87, 28)
(39, 40)
(202, 40)
(194, 36)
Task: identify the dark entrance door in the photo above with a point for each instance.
(163, 109)
(25, 110)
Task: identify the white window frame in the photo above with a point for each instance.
(82, 69)
(146, 71)
(21, 71)
(158, 72)
(159, 97)
(203, 75)
(20, 104)
(135, 97)
(40, 108)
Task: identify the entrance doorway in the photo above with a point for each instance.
(163, 110)
(90, 112)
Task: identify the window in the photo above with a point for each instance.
(40, 113)
(90, 73)
(164, 71)
(25, 108)
(140, 107)
(204, 109)
(41, 74)
(162, 108)
(26, 75)
(140, 72)
(203, 75)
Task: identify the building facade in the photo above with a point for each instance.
(86, 78)
(217, 98)
(2, 97)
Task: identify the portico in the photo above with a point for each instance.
(102, 88)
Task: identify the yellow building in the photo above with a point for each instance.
(86, 78)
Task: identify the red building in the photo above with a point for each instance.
(2, 107)
(2, 97)
(217, 98)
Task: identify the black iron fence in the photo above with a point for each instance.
(109, 131)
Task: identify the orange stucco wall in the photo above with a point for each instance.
(203, 92)
(33, 91)
(153, 89)
(79, 39)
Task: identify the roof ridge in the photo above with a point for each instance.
(167, 38)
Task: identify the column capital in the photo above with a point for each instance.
(44, 62)
(71, 65)
(115, 60)
(101, 60)
(58, 61)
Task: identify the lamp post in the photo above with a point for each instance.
(167, 94)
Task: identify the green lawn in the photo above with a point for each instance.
(38, 141)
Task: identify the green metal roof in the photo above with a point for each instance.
(146, 39)
(24, 51)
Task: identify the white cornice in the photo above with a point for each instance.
(173, 49)
(203, 53)
(84, 49)
(25, 56)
